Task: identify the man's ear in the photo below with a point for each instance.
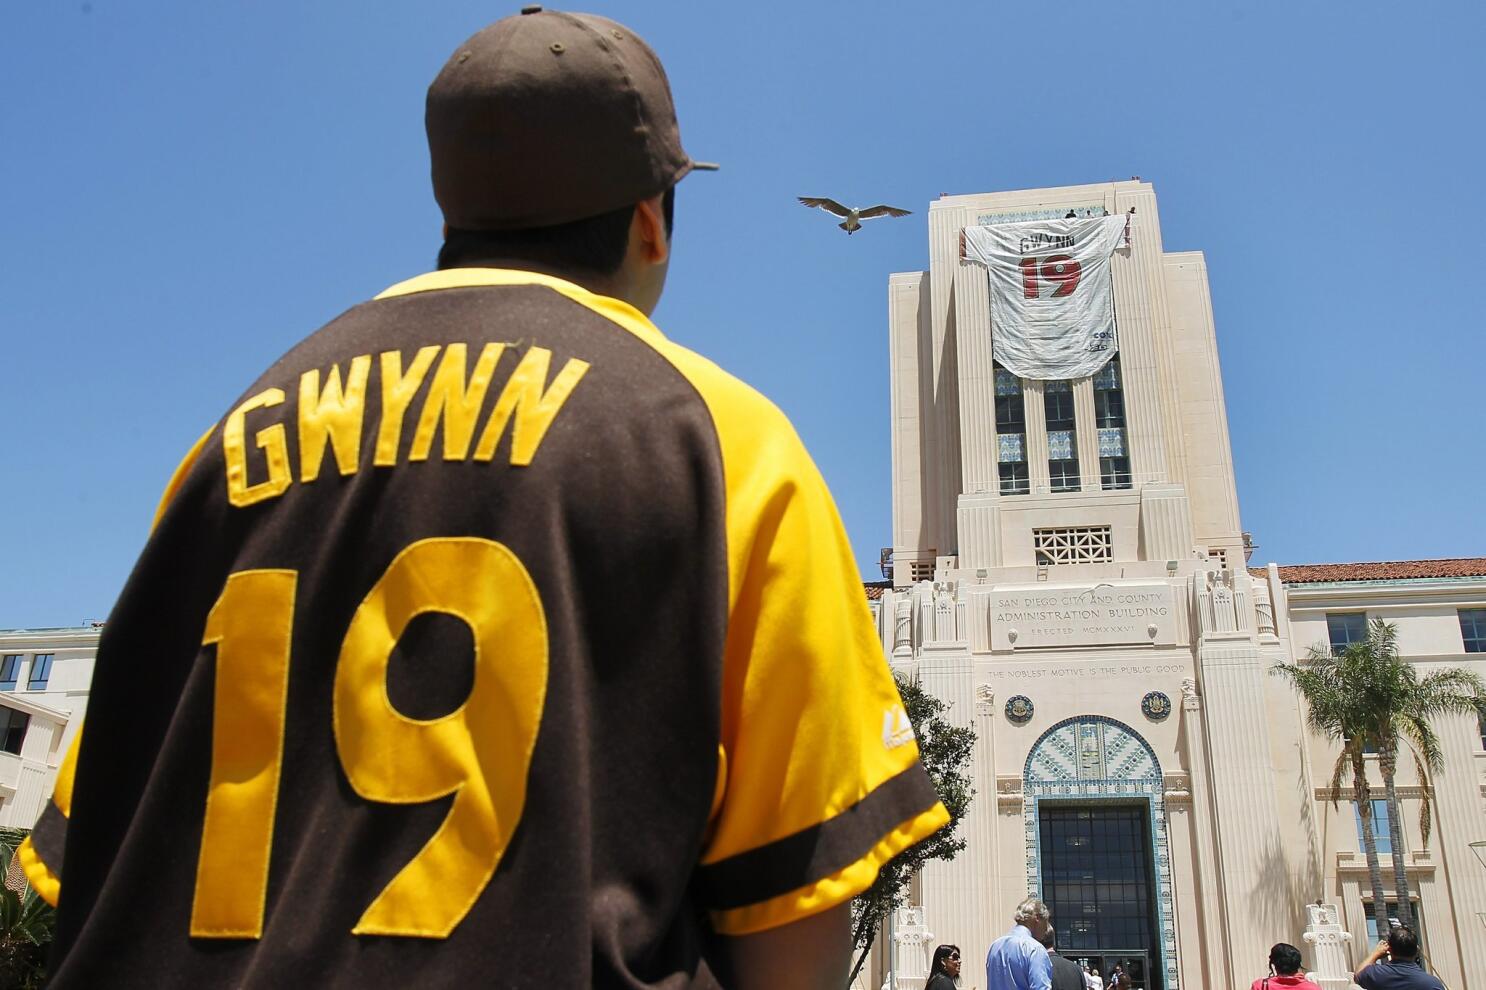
(649, 227)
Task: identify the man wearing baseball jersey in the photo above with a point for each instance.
(490, 637)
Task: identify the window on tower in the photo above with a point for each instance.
(1011, 434)
(1062, 441)
(1109, 417)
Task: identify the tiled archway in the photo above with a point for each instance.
(1093, 758)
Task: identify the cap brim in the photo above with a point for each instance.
(705, 166)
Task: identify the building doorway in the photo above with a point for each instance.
(1097, 878)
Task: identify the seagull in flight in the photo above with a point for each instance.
(853, 218)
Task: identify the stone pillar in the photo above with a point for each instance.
(1328, 941)
(1459, 822)
(1209, 967)
(1251, 859)
(953, 894)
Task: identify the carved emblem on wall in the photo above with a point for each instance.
(985, 699)
(1019, 709)
(1156, 706)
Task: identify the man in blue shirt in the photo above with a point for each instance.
(1401, 971)
(1017, 960)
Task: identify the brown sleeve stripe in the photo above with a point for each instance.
(818, 851)
(49, 837)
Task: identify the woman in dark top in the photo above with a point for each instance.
(944, 971)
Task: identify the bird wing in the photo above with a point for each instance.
(883, 211)
(829, 205)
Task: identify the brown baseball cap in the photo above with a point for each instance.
(547, 117)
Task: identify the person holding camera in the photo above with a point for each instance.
(1402, 970)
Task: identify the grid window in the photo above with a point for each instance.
(1372, 923)
(1057, 403)
(41, 671)
(1114, 473)
(1062, 442)
(1109, 417)
(1011, 434)
(1096, 874)
(13, 729)
(10, 669)
(1381, 833)
(1345, 628)
(1073, 545)
(1473, 629)
(1014, 479)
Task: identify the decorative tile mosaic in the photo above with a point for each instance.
(1007, 383)
(1106, 377)
(1112, 442)
(1060, 445)
(1011, 448)
(1095, 758)
(1022, 216)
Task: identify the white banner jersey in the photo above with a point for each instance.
(1052, 303)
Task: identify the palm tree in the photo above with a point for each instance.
(26, 922)
(1368, 698)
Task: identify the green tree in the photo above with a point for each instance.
(26, 923)
(945, 750)
(1369, 699)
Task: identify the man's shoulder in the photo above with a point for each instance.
(1389, 975)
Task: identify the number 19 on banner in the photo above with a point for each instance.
(1059, 269)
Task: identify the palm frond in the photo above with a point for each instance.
(1426, 816)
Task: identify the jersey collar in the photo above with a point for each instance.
(615, 310)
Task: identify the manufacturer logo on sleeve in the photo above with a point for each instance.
(896, 729)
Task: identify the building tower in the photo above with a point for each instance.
(1069, 572)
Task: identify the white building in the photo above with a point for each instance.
(1069, 572)
(44, 678)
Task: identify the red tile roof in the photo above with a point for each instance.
(875, 589)
(1383, 570)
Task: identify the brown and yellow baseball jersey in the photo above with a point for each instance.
(489, 638)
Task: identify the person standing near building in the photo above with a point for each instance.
(1018, 960)
(944, 968)
(1092, 980)
(1066, 973)
(1284, 970)
(490, 627)
(1402, 970)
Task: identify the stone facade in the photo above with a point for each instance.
(1110, 646)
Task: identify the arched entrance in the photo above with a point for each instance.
(1097, 847)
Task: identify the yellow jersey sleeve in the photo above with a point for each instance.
(819, 777)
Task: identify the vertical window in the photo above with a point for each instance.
(1011, 434)
(41, 671)
(1381, 833)
(1481, 725)
(1473, 629)
(1345, 628)
(13, 729)
(10, 669)
(1109, 417)
(1062, 444)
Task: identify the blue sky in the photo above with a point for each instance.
(186, 189)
